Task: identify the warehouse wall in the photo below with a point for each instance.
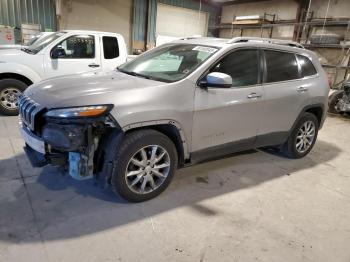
(16, 12)
(106, 15)
(144, 24)
(195, 5)
(284, 10)
(337, 8)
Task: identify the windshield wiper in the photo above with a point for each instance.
(133, 73)
(143, 76)
(27, 50)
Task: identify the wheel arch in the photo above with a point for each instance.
(16, 76)
(19, 71)
(316, 109)
(171, 129)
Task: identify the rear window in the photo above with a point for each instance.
(307, 68)
(280, 66)
(110, 47)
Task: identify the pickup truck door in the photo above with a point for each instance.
(75, 54)
(228, 118)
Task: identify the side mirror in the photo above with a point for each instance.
(216, 79)
(58, 52)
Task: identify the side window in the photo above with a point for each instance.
(242, 66)
(110, 47)
(307, 68)
(78, 46)
(280, 66)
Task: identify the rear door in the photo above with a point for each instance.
(80, 55)
(113, 53)
(225, 115)
(285, 95)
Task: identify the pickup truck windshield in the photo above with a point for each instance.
(42, 42)
(33, 39)
(169, 63)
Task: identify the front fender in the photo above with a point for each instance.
(174, 123)
(16, 68)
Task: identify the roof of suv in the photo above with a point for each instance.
(221, 42)
(212, 41)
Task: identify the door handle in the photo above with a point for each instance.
(253, 95)
(94, 65)
(301, 89)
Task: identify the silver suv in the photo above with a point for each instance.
(173, 106)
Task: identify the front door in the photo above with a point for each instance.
(78, 54)
(230, 116)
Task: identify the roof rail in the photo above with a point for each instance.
(265, 40)
(192, 37)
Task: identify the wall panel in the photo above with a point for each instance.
(16, 12)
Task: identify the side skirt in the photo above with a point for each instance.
(271, 139)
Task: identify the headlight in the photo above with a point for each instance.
(83, 111)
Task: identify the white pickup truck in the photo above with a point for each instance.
(61, 53)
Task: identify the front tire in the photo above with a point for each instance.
(10, 90)
(144, 165)
(303, 137)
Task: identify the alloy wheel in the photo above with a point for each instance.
(147, 169)
(305, 137)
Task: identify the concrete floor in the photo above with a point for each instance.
(254, 206)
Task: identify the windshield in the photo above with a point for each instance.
(169, 63)
(43, 42)
(33, 39)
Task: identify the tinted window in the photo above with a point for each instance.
(280, 66)
(242, 66)
(80, 46)
(307, 68)
(110, 47)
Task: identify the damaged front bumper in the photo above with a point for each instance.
(73, 145)
(52, 148)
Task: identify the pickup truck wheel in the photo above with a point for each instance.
(144, 165)
(302, 138)
(10, 90)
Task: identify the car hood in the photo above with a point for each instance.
(6, 47)
(88, 89)
(12, 55)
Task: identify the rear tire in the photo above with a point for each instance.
(10, 90)
(303, 137)
(137, 176)
(333, 101)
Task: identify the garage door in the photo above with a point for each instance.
(181, 22)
